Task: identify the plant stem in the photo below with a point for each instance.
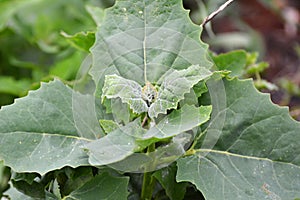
(148, 180)
(191, 149)
(144, 120)
(148, 186)
(213, 14)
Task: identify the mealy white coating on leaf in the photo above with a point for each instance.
(128, 91)
(174, 86)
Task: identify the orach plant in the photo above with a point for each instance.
(153, 115)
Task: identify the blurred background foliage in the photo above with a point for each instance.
(269, 28)
(32, 46)
(43, 39)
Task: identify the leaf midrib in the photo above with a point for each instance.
(48, 134)
(242, 156)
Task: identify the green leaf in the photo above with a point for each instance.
(120, 111)
(167, 178)
(71, 179)
(15, 87)
(254, 126)
(82, 40)
(252, 58)
(67, 68)
(129, 139)
(51, 196)
(108, 125)
(234, 61)
(179, 121)
(222, 175)
(14, 194)
(161, 157)
(103, 186)
(34, 190)
(56, 195)
(143, 40)
(129, 91)
(257, 68)
(174, 86)
(255, 153)
(28, 177)
(200, 88)
(115, 146)
(4, 177)
(40, 129)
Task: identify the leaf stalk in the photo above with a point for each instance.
(148, 180)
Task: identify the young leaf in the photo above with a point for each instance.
(129, 91)
(174, 86)
(103, 186)
(172, 90)
(82, 40)
(234, 61)
(40, 129)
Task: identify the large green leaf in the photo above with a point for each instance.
(256, 155)
(103, 186)
(40, 129)
(254, 126)
(226, 176)
(141, 40)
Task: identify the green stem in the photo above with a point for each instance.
(148, 186)
(148, 180)
(191, 149)
(257, 75)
